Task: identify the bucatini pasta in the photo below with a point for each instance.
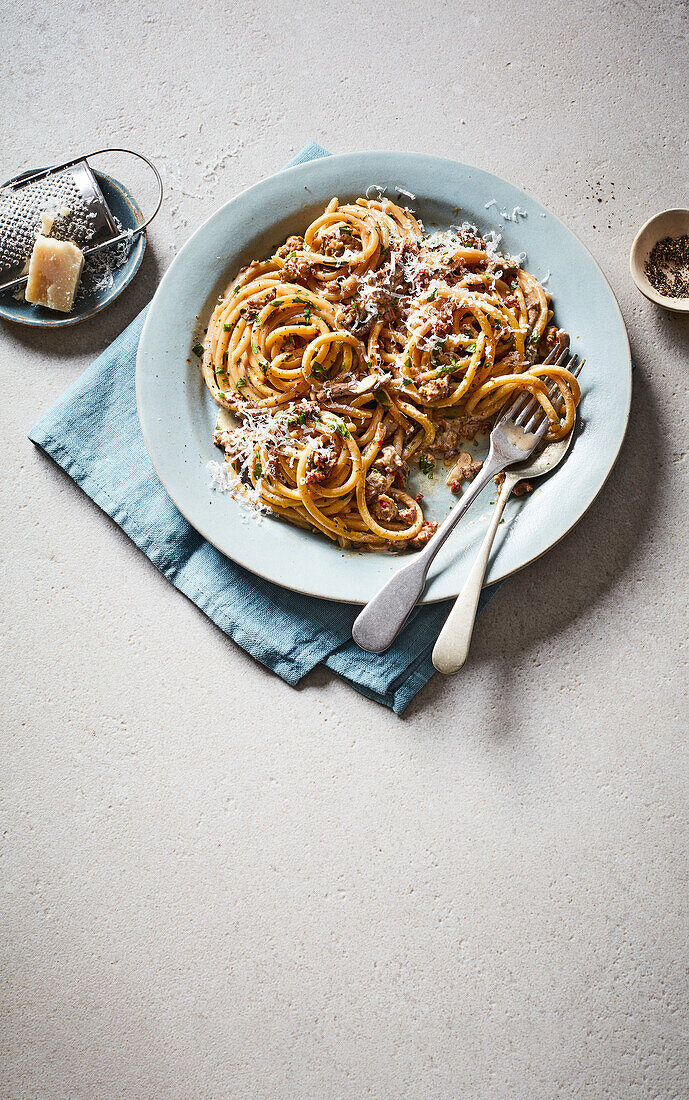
(366, 345)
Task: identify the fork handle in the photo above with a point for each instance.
(452, 646)
(377, 626)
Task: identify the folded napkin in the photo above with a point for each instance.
(93, 433)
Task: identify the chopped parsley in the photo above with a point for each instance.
(241, 383)
(228, 328)
(426, 465)
(341, 429)
(258, 470)
(198, 349)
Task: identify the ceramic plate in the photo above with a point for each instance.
(91, 297)
(178, 415)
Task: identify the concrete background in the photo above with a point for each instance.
(214, 885)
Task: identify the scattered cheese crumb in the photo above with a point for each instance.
(221, 476)
(48, 218)
(516, 214)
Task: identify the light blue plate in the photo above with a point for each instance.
(89, 300)
(178, 415)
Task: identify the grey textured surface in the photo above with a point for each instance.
(214, 885)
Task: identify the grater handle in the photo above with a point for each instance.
(33, 176)
(159, 181)
(126, 235)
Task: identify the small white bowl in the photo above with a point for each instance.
(670, 223)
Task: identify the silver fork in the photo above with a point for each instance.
(515, 436)
(452, 644)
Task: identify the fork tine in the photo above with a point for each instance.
(576, 372)
(553, 357)
(559, 362)
(518, 412)
(542, 428)
(533, 425)
(511, 411)
(555, 352)
(538, 423)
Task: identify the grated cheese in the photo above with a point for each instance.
(221, 477)
(516, 214)
(100, 267)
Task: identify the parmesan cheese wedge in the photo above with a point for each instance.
(54, 272)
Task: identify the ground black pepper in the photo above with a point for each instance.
(667, 267)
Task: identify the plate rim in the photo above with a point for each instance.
(304, 588)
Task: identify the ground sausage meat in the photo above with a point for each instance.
(389, 462)
(387, 468)
(292, 244)
(465, 469)
(376, 484)
(297, 265)
(385, 508)
(424, 536)
(321, 463)
(436, 389)
(533, 303)
(520, 489)
(511, 363)
(451, 432)
(298, 268)
(551, 338)
(406, 515)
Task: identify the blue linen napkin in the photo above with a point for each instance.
(93, 433)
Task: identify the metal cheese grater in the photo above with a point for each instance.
(70, 196)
